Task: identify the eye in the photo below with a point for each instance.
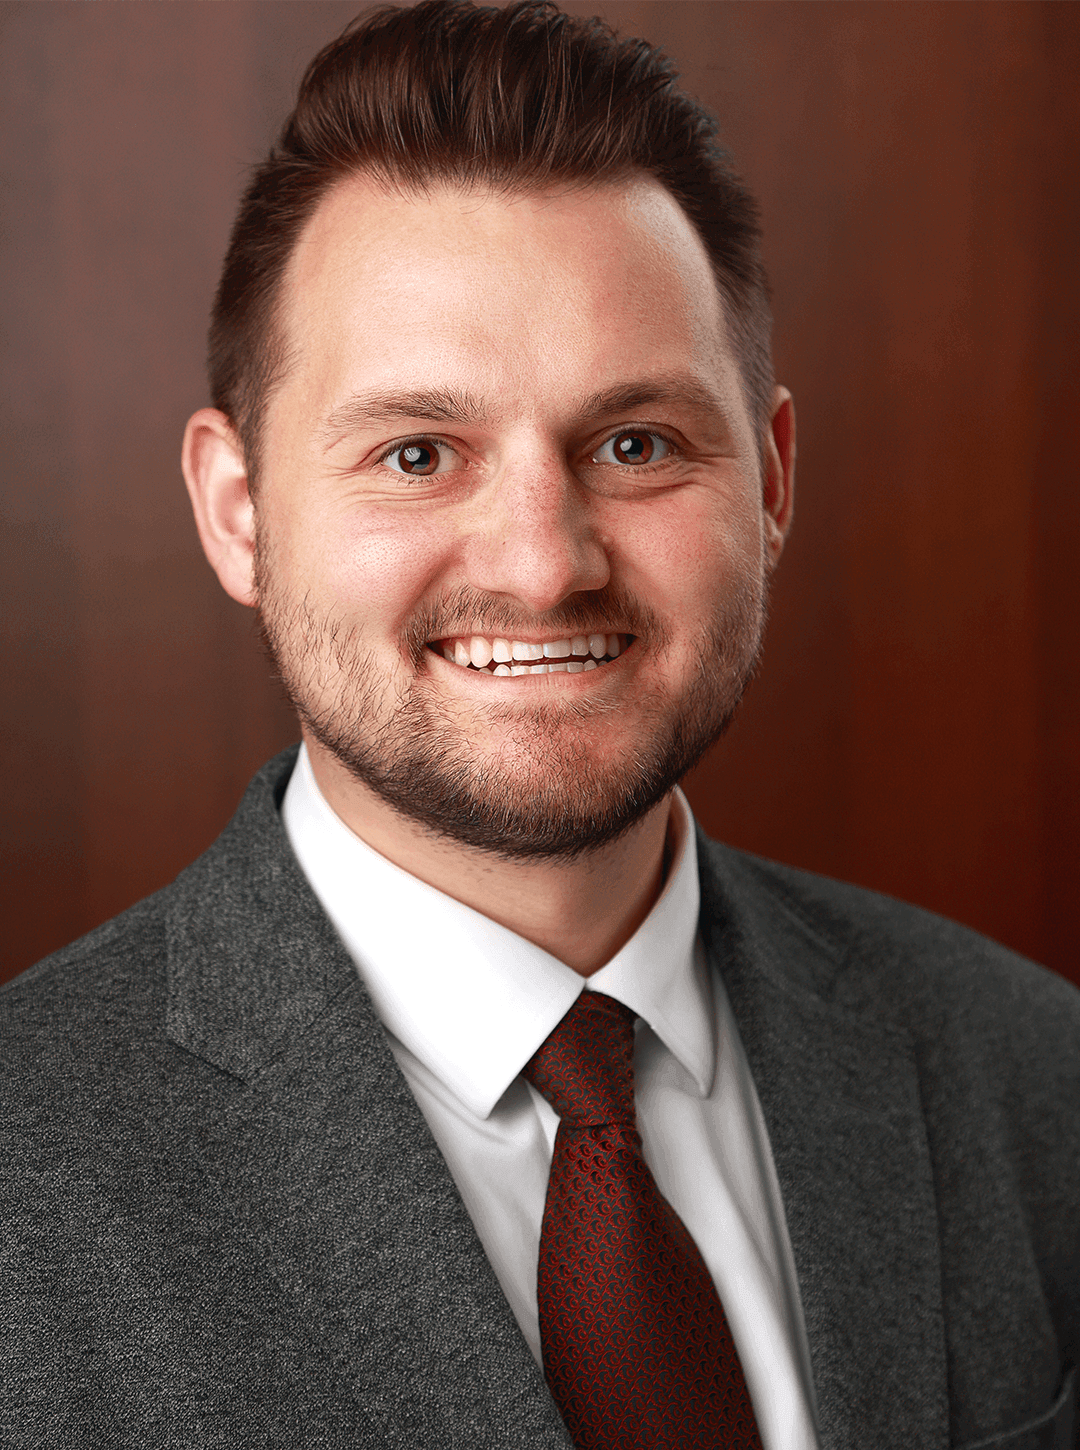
(635, 447)
(420, 457)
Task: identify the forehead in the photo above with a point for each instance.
(516, 296)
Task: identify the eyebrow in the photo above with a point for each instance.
(436, 405)
(451, 405)
(666, 390)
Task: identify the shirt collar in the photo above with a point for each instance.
(472, 999)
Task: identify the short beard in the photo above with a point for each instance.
(545, 798)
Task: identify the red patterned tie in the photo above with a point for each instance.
(637, 1350)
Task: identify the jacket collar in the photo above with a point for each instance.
(839, 1091)
(253, 960)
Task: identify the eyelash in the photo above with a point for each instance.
(424, 438)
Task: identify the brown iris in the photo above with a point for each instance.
(418, 459)
(633, 447)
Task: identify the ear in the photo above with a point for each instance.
(216, 479)
(778, 484)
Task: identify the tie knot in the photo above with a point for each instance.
(585, 1068)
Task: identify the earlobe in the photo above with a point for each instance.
(217, 483)
(778, 484)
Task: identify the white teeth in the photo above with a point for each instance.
(555, 669)
(557, 649)
(479, 652)
(520, 657)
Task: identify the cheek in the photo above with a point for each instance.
(366, 568)
(695, 549)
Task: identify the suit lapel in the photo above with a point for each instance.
(332, 1173)
(840, 1096)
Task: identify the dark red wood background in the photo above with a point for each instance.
(915, 725)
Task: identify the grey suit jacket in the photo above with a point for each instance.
(225, 1223)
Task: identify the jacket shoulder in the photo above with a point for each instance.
(876, 956)
(105, 977)
(116, 975)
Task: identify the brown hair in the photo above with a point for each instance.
(512, 98)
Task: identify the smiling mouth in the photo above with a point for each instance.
(574, 655)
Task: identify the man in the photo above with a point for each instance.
(335, 1140)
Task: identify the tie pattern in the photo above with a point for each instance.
(637, 1350)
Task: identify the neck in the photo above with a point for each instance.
(582, 911)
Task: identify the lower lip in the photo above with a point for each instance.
(562, 679)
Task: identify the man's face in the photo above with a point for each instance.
(511, 422)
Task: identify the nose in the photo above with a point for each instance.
(536, 538)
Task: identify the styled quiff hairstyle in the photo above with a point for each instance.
(513, 99)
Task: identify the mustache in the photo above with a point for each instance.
(468, 611)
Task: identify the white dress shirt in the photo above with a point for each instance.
(466, 1002)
